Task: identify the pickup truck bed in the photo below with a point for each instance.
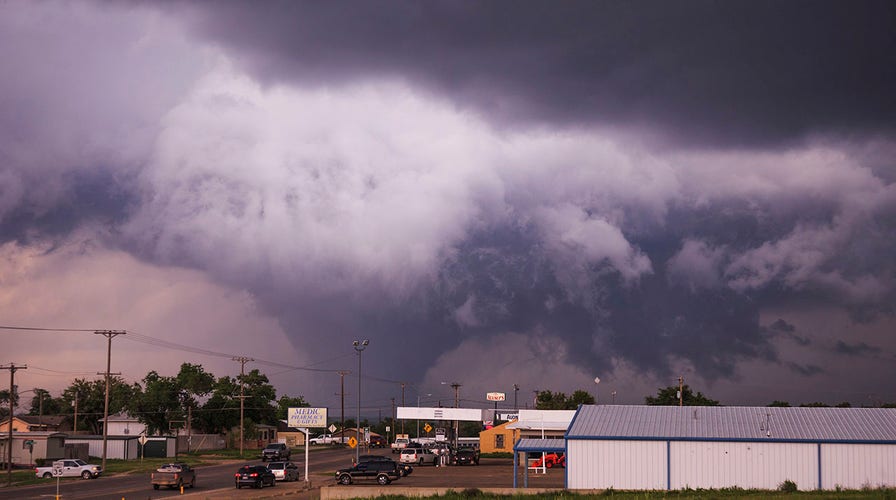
(173, 476)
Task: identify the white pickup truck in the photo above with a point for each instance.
(70, 468)
(323, 439)
(401, 442)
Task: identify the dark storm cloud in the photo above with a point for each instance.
(733, 73)
(856, 349)
(785, 329)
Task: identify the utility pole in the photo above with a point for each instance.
(242, 360)
(12, 405)
(402, 404)
(342, 374)
(456, 386)
(680, 391)
(516, 389)
(109, 334)
(393, 421)
(75, 425)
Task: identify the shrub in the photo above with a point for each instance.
(787, 486)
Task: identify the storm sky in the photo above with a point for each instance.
(492, 193)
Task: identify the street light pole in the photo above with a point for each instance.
(359, 346)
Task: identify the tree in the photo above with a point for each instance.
(44, 404)
(91, 400)
(158, 403)
(781, 404)
(260, 395)
(222, 410)
(668, 396)
(547, 400)
(4, 402)
(285, 403)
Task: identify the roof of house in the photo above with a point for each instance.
(49, 420)
(735, 423)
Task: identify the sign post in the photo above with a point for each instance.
(495, 396)
(304, 419)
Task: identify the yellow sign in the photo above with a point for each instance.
(427, 427)
(353, 441)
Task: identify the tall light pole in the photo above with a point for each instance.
(342, 374)
(596, 384)
(359, 345)
(516, 389)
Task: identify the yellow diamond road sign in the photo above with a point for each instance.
(427, 427)
(353, 441)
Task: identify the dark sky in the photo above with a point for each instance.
(494, 193)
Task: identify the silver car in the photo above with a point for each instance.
(284, 471)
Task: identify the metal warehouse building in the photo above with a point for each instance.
(670, 447)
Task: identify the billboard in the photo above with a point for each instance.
(306, 417)
(467, 414)
(495, 396)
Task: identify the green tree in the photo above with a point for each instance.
(222, 410)
(44, 404)
(668, 396)
(91, 395)
(158, 403)
(782, 404)
(260, 397)
(4, 402)
(285, 403)
(547, 400)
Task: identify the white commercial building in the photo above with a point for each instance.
(670, 447)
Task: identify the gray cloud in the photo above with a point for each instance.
(856, 349)
(489, 172)
(737, 74)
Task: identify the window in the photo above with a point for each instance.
(499, 441)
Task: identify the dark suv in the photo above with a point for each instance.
(384, 471)
(275, 451)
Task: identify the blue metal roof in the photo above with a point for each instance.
(546, 445)
(734, 423)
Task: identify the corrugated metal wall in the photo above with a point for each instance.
(114, 448)
(641, 465)
(719, 464)
(854, 466)
(621, 465)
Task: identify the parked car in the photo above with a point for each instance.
(255, 476)
(384, 472)
(466, 456)
(418, 456)
(284, 471)
(377, 442)
(403, 469)
(551, 459)
(275, 451)
(173, 476)
(70, 468)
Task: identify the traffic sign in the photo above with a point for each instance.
(427, 428)
(142, 440)
(352, 441)
(332, 428)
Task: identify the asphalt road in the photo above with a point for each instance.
(137, 485)
(216, 481)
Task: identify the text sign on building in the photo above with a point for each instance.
(495, 396)
(306, 417)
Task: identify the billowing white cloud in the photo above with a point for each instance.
(697, 265)
(84, 286)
